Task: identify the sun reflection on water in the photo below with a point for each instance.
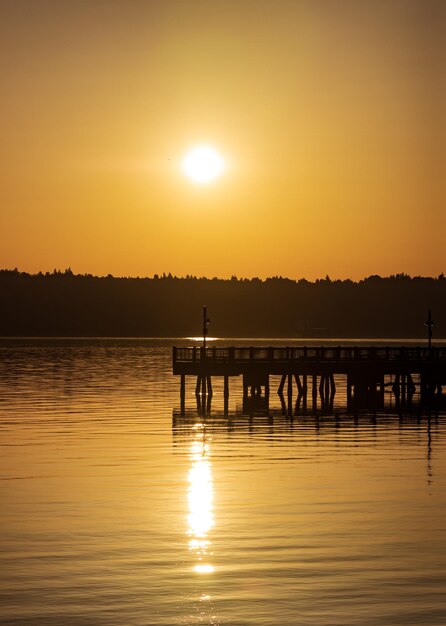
(201, 338)
(200, 499)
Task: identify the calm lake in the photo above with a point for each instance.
(118, 510)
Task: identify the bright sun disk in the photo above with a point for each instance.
(202, 164)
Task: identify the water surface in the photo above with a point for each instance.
(117, 510)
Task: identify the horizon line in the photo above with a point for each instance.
(169, 276)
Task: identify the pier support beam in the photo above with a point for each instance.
(282, 385)
(396, 386)
(322, 386)
(314, 391)
(290, 395)
(183, 394)
(305, 391)
(327, 388)
(226, 394)
(403, 388)
(204, 386)
(253, 383)
(299, 384)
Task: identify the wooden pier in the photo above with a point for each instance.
(311, 371)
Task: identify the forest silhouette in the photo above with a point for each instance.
(65, 304)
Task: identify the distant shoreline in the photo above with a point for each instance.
(63, 304)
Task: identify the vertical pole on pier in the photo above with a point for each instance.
(226, 394)
(429, 323)
(209, 385)
(182, 393)
(206, 322)
(203, 355)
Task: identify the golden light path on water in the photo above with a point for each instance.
(200, 498)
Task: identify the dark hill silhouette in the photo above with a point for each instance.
(65, 304)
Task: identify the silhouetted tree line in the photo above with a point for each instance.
(65, 304)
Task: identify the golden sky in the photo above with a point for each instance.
(328, 113)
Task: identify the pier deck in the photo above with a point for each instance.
(236, 361)
(367, 369)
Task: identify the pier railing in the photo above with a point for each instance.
(302, 353)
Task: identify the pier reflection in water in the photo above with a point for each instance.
(387, 399)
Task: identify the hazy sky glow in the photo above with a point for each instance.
(327, 113)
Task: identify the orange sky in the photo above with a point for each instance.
(328, 112)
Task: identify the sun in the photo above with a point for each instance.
(202, 164)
